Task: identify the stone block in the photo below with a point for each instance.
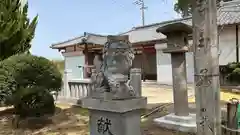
(112, 123)
(115, 117)
(119, 106)
(179, 123)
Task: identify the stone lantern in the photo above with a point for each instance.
(177, 46)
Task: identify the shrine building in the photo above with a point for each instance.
(79, 52)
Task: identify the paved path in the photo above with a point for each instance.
(160, 94)
(163, 93)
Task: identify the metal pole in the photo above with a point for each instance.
(142, 4)
(206, 63)
(143, 14)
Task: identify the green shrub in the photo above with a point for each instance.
(7, 85)
(232, 72)
(34, 101)
(29, 70)
(33, 79)
(59, 64)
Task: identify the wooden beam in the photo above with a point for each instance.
(86, 60)
(143, 63)
(75, 49)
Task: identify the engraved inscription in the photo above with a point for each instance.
(203, 79)
(103, 126)
(205, 120)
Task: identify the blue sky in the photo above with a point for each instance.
(60, 20)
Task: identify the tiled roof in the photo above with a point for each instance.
(86, 38)
(228, 13)
(148, 33)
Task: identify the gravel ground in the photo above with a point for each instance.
(74, 120)
(67, 121)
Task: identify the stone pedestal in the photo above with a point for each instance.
(180, 119)
(115, 103)
(115, 117)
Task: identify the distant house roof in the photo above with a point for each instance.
(88, 38)
(148, 32)
(228, 13)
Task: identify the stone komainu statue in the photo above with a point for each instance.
(111, 73)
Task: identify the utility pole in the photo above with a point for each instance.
(142, 8)
(206, 64)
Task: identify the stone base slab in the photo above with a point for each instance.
(180, 123)
(115, 117)
(119, 106)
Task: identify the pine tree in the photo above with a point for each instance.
(16, 30)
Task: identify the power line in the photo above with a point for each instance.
(141, 3)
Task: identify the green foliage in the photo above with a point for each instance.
(31, 71)
(232, 72)
(32, 102)
(184, 7)
(7, 84)
(16, 30)
(59, 64)
(33, 80)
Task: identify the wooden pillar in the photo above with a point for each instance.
(206, 64)
(143, 64)
(85, 67)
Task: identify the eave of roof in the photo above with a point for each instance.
(88, 38)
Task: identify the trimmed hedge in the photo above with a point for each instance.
(33, 102)
(232, 72)
(31, 78)
(7, 85)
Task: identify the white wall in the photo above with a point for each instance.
(72, 62)
(164, 67)
(227, 45)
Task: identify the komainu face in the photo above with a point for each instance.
(118, 57)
